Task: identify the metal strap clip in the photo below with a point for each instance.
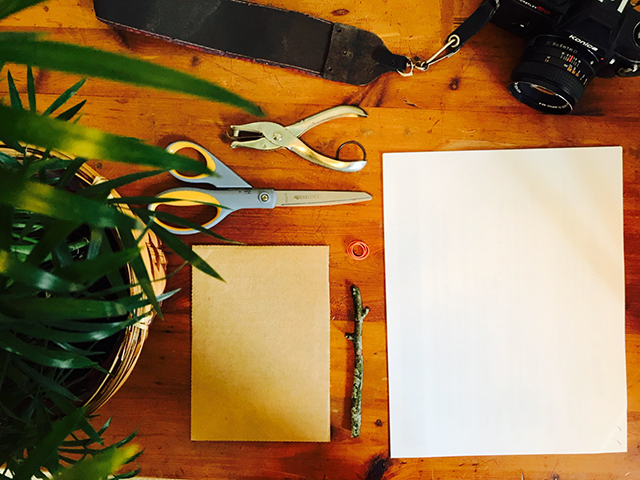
(447, 50)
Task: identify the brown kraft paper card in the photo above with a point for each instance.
(260, 358)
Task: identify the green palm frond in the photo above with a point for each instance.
(9, 7)
(62, 289)
(97, 63)
(66, 251)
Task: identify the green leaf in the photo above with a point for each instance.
(11, 36)
(70, 172)
(184, 250)
(125, 288)
(99, 466)
(6, 225)
(54, 235)
(64, 308)
(123, 476)
(46, 382)
(93, 269)
(61, 256)
(9, 160)
(31, 89)
(48, 446)
(136, 301)
(99, 332)
(103, 188)
(71, 112)
(78, 326)
(9, 7)
(14, 96)
(87, 352)
(88, 142)
(95, 243)
(32, 276)
(31, 223)
(105, 426)
(77, 119)
(67, 407)
(36, 197)
(46, 163)
(86, 442)
(9, 142)
(97, 63)
(42, 355)
(64, 98)
(140, 270)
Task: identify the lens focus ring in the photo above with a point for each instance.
(552, 74)
(565, 82)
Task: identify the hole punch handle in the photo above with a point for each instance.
(341, 111)
(303, 150)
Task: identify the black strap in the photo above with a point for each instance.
(472, 25)
(269, 35)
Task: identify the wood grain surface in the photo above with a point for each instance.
(460, 104)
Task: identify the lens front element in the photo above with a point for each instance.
(553, 73)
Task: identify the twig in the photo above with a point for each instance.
(358, 365)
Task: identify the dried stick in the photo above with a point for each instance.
(358, 365)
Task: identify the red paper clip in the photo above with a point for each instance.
(358, 250)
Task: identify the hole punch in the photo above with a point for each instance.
(358, 250)
(268, 136)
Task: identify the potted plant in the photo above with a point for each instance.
(81, 272)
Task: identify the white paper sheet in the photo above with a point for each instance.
(505, 302)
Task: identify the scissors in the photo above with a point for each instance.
(273, 136)
(233, 193)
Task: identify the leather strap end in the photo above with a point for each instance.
(358, 57)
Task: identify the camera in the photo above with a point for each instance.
(569, 43)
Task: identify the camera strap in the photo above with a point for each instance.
(260, 33)
(274, 36)
(461, 35)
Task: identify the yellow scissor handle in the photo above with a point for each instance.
(175, 147)
(189, 198)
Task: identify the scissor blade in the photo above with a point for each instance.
(299, 198)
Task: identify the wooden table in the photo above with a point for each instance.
(460, 104)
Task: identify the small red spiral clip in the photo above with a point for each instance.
(358, 250)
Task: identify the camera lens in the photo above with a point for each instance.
(553, 73)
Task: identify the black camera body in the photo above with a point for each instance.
(569, 43)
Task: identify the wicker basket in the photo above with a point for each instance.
(133, 337)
